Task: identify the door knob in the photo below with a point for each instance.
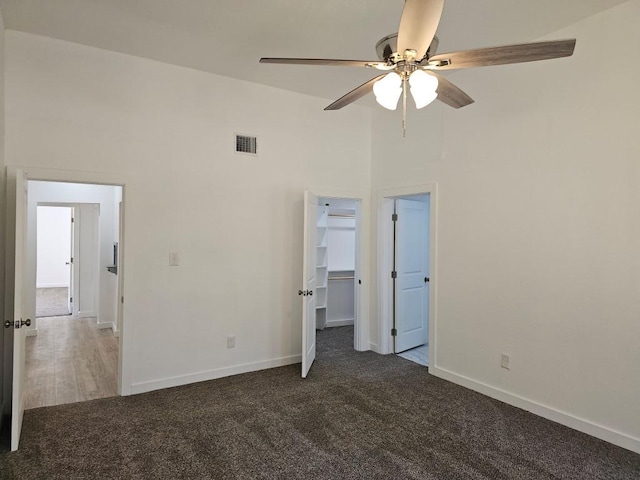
(17, 324)
(310, 293)
(300, 292)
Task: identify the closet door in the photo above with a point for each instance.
(308, 292)
(412, 287)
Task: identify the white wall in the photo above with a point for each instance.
(341, 239)
(53, 247)
(234, 219)
(102, 195)
(538, 227)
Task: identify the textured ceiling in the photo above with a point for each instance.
(228, 37)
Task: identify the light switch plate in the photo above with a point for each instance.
(174, 259)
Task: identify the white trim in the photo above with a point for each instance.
(169, 382)
(31, 332)
(53, 285)
(104, 325)
(86, 314)
(361, 272)
(340, 323)
(585, 426)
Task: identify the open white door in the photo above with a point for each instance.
(19, 333)
(309, 281)
(412, 267)
(72, 242)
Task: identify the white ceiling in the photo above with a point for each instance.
(228, 37)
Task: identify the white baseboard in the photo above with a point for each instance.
(585, 426)
(86, 314)
(374, 347)
(32, 332)
(105, 325)
(116, 333)
(53, 285)
(143, 387)
(339, 323)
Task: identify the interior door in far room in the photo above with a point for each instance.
(412, 273)
(54, 258)
(309, 261)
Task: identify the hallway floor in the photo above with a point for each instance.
(419, 355)
(70, 360)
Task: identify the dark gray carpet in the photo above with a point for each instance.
(52, 302)
(357, 416)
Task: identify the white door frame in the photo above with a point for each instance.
(74, 176)
(361, 321)
(386, 200)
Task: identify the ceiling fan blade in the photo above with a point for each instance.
(483, 57)
(327, 62)
(418, 25)
(450, 94)
(354, 94)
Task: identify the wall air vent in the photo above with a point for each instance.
(246, 144)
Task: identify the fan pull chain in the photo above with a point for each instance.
(404, 106)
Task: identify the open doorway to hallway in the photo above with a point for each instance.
(72, 346)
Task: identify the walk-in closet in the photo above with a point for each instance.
(336, 267)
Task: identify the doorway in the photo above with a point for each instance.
(72, 345)
(20, 305)
(54, 254)
(336, 286)
(406, 267)
(331, 276)
(410, 278)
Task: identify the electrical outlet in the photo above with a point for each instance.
(231, 341)
(504, 361)
(174, 259)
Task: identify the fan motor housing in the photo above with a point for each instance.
(387, 48)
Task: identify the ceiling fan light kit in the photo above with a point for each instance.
(388, 90)
(410, 58)
(424, 88)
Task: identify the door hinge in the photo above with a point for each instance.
(394, 274)
(394, 217)
(71, 259)
(121, 299)
(73, 219)
(394, 332)
(71, 300)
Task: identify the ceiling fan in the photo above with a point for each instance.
(409, 57)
